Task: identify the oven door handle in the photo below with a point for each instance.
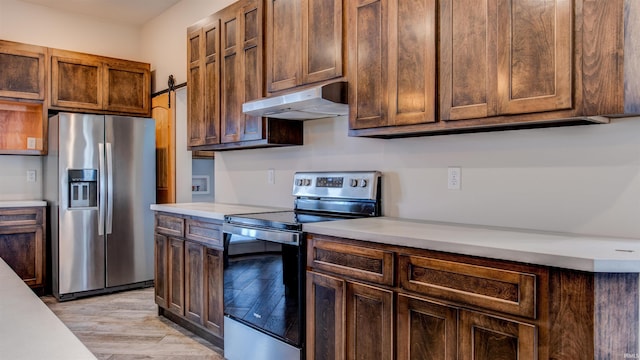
(282, 237)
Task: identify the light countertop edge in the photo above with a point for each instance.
(22, 203)
(569, 251)
(29, 330)
(215, 211)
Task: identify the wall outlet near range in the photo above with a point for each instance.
(31, 176)
(271, 176)
(454, 178)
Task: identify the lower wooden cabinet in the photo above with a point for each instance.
(22, 244)
(370, 301)
(189, 281)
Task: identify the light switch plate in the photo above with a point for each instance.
(31, 143)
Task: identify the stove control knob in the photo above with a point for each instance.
(363, 183)
(354, 182)
(307, 182)
(299, 182)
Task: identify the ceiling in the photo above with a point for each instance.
(131, 12)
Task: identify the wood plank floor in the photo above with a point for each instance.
(126, 326)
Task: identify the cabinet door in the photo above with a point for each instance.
(22, 71)
(22, 248)
(483, 337)
(241, 70)
(76, 82)
(126, 87)
(175, 270)
(283, 44)
(391, 73)
(325, 317)
(194, 282)
(161, 271)
(504, 57)
(210, 92)
(367, 63)
(203, 92)
(195, 89)
(369, 315)
(321, 40)
(426, 330)
(214, 298)
(534, 56)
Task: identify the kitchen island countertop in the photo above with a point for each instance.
(28, 329)
(21, 203)
(563, 250)
(207, 210)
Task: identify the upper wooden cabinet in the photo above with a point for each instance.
(225, 69)
(304, 42)
(392, 62)
(89, 82)
(504, 57)
(500, 64)
(23, 71)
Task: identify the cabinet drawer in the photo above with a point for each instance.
(357, 262)
(510, 292)
(20, 216)
(169, 225)
(206, 232)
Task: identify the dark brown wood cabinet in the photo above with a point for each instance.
(23, 244)
(89, 82)
(500, 65)
(392, 63)
(505, 57)
(304, 42)
(189, 280)
(225, 69)
(447, 306)
(203, 62)
(23, 70)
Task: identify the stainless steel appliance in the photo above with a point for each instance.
(264, 282)
(99, 178)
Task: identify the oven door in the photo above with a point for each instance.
(263, 293)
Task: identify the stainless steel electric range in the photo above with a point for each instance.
(265, 261)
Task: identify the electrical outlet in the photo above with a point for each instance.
(271, 176)
(31, 176)
(454, 178)
(31, 143)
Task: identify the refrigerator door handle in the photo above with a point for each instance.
(102, 189)
(109, 188)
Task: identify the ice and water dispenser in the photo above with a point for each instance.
(83, 188)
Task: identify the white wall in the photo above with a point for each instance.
(583, 179)
(40, 25)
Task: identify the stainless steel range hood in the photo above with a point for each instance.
(311, 103)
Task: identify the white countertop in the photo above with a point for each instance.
(28, 329)
(570, 251)
(22, 203)
(211, 210)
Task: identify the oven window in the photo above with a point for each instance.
(262, 286)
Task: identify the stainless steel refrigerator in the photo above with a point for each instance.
(99, 181)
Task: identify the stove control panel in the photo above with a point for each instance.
(345, 185)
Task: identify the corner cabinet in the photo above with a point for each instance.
(500, 64)
(304, 42)
(376, 301)
(225, 69)
(23, 245)
(188, 273)
(89, 82)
